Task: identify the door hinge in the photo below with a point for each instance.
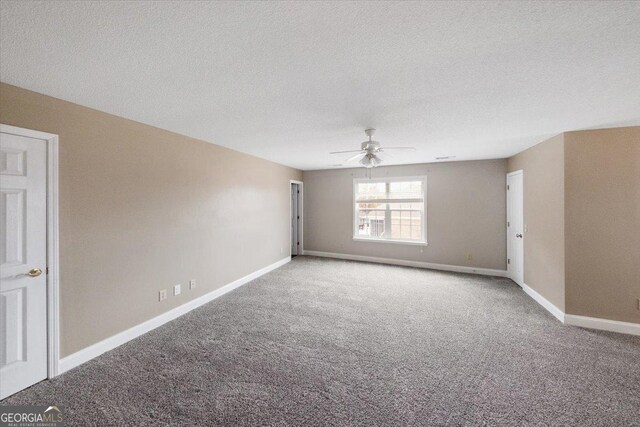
(298, 216)
(508, 261)
(508, 225)
(46, 270)
(507, 187)
(298, 191)
(298, 243)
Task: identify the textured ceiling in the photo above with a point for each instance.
(290, 82)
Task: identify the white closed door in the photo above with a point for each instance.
(23, 255)
(294, 219)
(515, 227)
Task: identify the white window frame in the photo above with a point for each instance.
(355, 219)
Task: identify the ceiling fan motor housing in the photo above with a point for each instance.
(370, 146)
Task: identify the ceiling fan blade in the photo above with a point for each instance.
(343, 152)
(398, 148)
(362, 154)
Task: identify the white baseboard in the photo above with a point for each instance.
(110, 343)
(548, 305)
(406, 263)
(583, 321)
(602, 324)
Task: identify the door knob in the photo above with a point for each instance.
(34, 272)
(519, 235)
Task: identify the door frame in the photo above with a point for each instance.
(301, 212)
(510, 174)
(53, 249)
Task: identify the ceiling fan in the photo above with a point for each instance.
(369, 151)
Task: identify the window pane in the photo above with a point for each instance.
(371, 190)
(405, 190)
(370, 223)
(416, 233)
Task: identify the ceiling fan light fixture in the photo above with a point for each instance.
(370, 161)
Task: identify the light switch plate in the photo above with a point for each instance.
(162, 295)
(176, 290)
(192, 284)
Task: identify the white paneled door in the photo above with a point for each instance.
(515, 227)
(295, 219)
(23, 262)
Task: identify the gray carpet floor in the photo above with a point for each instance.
(330, 342)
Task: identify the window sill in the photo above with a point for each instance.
(397, 242)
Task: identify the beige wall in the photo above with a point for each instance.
(142, 209)
(465, 213)
(602, 223)
(544, 257)
(582, 211)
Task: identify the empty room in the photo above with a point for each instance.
(323, 213)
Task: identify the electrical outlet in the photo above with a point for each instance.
(421, 250)
(177, 290)
(192, 284)
(162, 295)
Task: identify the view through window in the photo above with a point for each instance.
(390, 209)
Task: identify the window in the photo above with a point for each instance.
(390, 209)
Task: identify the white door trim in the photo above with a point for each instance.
(53, 259)
(301, 212)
